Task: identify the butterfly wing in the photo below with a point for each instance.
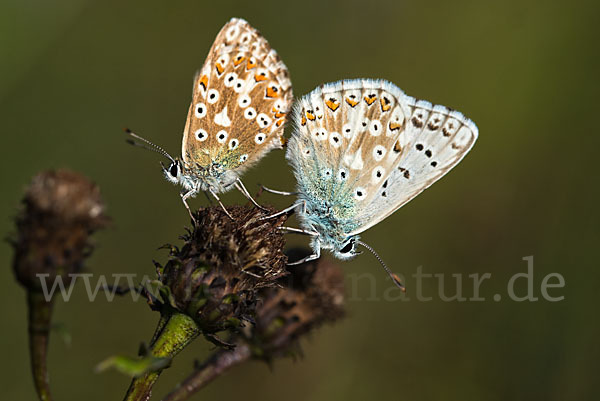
(383, 147)
(240, 101)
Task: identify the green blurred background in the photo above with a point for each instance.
(74, 73)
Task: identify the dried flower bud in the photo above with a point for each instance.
(61, 209)
(215, 276)
(311, 295)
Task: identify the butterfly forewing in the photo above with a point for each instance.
(366, 143)
(240, 102)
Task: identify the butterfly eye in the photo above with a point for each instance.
(348, 247)
(173, 170)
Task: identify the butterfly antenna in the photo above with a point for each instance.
(147, 145)
(392, 275)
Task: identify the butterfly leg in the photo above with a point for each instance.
(240, 186)
(299, 231)
(220, 203)
(184, 197)
(314, 256)
(284, 211)
(274, 191)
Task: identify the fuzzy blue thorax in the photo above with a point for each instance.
(329, 211)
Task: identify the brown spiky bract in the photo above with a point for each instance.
(311, 295)
(214, 277)
(61, 209)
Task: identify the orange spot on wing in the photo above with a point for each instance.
(395, 126)
(385, 106)
(203, 81)
(259, 77)
(370, 99)
(332, 105)
(250, 65)
(219, 68)
(310, 116)
(303, 120)
(351, 102)
(280, 122)
(239, 60)
(272, 91)
(277, 113)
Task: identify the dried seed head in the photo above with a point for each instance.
(311, 295)
(61, 209)
(215, 276)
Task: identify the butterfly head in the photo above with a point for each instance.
(215, 177)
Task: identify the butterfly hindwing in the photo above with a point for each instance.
(240, 102)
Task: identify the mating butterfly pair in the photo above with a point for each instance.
(360, 148)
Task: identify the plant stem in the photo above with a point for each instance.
(176, 334)
(40, 315)
(216, 365)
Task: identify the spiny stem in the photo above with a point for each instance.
(40, 315)
(176, 334)
(215, 366)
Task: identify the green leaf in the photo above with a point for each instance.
(134, 367)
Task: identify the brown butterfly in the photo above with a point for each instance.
(239, 107)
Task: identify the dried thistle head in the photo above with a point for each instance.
(215, 276)
(61, 209)
(313, 294)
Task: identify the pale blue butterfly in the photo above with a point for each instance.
(360, 150)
